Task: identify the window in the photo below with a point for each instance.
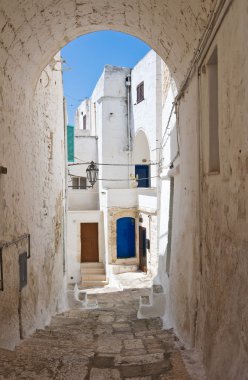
(79, 182)
(84, 122)
(212, 70)
(140, 92)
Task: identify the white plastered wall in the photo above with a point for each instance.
(75, 218)
(32, 201)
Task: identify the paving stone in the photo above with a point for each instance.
(109, 344)
(139, 359)
(121, 327)
(136, 352)
(133, 344)
(153, 369)
(121, 319)
(106, 319)
(103, 361)
(123, 335)
(104, 374)
(139, 378)
(104, 330)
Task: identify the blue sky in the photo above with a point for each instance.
(86, 57)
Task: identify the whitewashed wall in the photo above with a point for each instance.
(32, 201)
(112, 130)
(166, 153)
(75, 218)
(85, 151)
(146, 115)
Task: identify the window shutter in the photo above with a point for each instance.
(140, 92)
(74, 182)
(84, 122)
(79, 183)
(70, 143)
(82, 182)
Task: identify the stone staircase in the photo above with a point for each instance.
(99, 344)
(153, 305)
(93, 275)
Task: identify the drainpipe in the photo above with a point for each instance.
(128, 85)
(95, 119)
(65, 209)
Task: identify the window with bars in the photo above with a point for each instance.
(140, 92)
(79, 183)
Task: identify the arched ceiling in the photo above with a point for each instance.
(32, 31)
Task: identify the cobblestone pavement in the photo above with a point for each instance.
(105, 343)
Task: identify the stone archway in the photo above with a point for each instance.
(32, 32)
(31, 194)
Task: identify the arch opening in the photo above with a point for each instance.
(44, 30)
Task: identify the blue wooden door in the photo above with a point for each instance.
(143, 175)
(125, 238)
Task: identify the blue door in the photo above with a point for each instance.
(143, 175)
(125, 238)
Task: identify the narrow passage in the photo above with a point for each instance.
(103, 343)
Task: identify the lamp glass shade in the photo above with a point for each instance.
(92, 173)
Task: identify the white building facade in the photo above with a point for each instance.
(120, 129)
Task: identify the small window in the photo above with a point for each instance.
(79, 182)
(140, 92)
(84, 122)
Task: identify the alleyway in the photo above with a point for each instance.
(103, 343)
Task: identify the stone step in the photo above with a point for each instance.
(48, 343)
(93, 277)
(94, 270)
(94, 284)
(92, 265)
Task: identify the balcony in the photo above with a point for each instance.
(82, 200)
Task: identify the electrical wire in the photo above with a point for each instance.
(126, 179)
(101, 164)
(119, 179)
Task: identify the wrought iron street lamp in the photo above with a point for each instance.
(92, 173)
